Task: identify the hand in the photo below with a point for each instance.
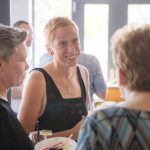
(76, 128)
(35, 137)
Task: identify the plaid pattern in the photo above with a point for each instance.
(115, 129)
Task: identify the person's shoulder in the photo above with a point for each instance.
(105, 113)
(44, 59)
(88, 58)
(4, 110)
(99, 118)
(36, 74)
(4, 105)
(82, 68)
(45, 55)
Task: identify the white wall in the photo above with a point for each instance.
(19, 10)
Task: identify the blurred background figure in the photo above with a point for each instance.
(16, 92)
(45, 59)
(97, 83)
(13, 66)
(126, 125)
(22, 24)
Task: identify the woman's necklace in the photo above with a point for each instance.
(69, 91)
(68, 83)
(68, 86)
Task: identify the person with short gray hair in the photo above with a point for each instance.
(22, 24)
(13, 66)
(10, 38)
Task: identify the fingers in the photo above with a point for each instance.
(34, 137)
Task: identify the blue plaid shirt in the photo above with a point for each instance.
(115, 128)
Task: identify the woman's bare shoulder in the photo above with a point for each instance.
(35, 77)
(83, 69)
(36, 74)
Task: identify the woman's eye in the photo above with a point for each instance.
(63, 43)
(76, 41)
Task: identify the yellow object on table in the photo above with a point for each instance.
(45, 133)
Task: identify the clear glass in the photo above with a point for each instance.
(96, 33)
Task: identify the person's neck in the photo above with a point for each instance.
(3, 96)
(3, 92)
(138, 100)
(64, 72)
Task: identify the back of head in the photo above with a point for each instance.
(21, 24)
(131, 53)
(10, 38)
(57, 22)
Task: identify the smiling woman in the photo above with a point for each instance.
(62, 87)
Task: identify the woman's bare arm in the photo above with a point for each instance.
(32, 101)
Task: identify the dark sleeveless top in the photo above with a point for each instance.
(61, 114)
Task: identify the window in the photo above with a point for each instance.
(139, 13)
(96, 32)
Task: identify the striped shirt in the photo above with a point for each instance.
(115, 129)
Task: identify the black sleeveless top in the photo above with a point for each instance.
(61, 114)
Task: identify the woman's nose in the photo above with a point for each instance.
(71, 48)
